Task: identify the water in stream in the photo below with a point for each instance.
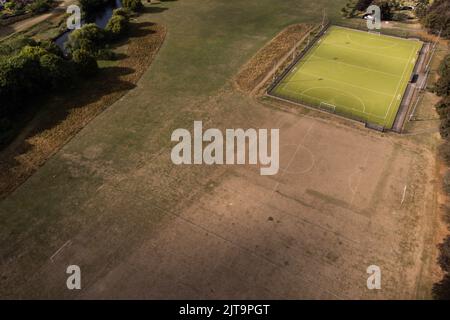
(101, 20)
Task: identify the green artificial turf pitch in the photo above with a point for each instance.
(358, 74)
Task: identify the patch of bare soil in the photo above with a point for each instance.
(67, 114)
(266, 59)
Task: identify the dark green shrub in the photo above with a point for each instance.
(442, 87)
(444, 67)
(133, 5)
(443, 107)
(13, 46)
(40, 6)
(117, 26)
(57, 71)
(51, 47)
(89, 38)
(122, 12)
(400, 16)
(86, 64)
(386, 10)
(90, 7)
(437, 17)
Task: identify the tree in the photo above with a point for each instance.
(437, 18)
(56, 70)
(86, 64)
(421, 8)
(89, 38)
(51, 47)
(40, 6)
(122, 12)
(117, 26)
(444, 67)
(442, 87)
(386, 10)
(363, 4)
(134, 5)
(90, 7)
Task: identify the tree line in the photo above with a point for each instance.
(442, 88)
(34, 69)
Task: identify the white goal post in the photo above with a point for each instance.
(327, 106)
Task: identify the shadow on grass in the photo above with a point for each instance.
(153, 9)
(441, 290)
(141, 29)
(45, 114)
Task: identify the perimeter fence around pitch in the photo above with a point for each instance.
(354, 114)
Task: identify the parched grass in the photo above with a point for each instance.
(265, 59)
(353, 73)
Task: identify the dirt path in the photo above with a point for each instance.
(7, 31)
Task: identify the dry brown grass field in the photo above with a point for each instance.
(112, 202)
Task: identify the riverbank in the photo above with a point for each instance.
(66, 114)
(23, 25)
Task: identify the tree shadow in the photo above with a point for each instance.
(54, 117)
(441, 290)
(152, 9)
(5, 31)
(141, 29)
(95, 94)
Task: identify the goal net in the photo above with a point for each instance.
(327, 107)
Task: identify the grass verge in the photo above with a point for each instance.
(65, 115)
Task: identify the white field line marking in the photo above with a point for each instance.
(300, 144)
(366, 52)
(342, 82)
(345, 93)
(399, 83)
(384, 35)
(392, 44)
(360, 177)
(241, 247)
(355, 66)
(337, 105)
(59, 250)
(311, 53)
(404, 195)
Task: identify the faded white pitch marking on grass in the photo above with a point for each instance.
(404, 195)
(355, 190)
(310, 167)
(300, 144)
(68, 242)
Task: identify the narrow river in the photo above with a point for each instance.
(101, 19)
